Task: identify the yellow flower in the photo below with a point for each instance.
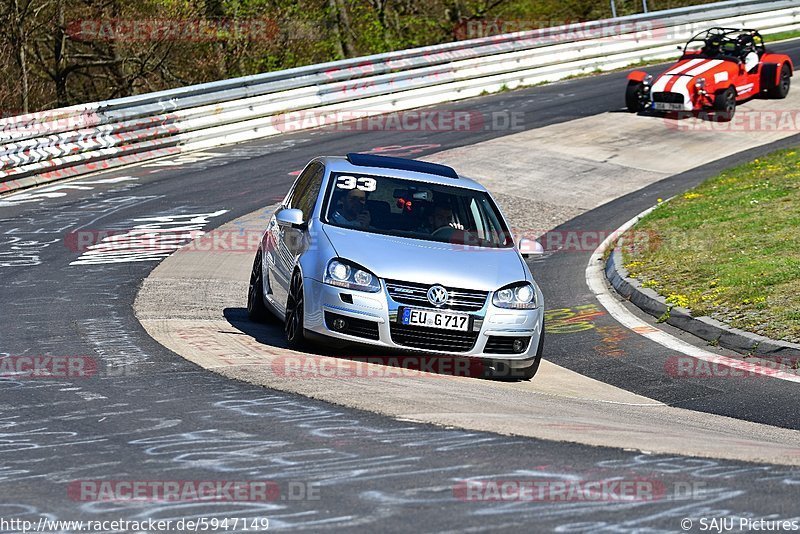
(676, 299)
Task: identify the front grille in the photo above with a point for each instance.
(432, 338)
(504, 345)
(354, 327)
(671, 98)
(467, 300)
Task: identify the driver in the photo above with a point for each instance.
(441, 218)
(712, 47)
(441, 222)
(352, 212)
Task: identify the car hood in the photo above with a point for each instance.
(429, 262)
(681, 77)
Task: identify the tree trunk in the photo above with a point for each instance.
(20, 43)
(215, 13)
(59, 57)
(342, 29)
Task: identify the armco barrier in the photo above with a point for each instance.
(53, 144)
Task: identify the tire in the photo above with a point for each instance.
(784, 83)
(503, 370)
(725, 104)
(295, 310)
(529, 372)
(633, 96)
(256, 309)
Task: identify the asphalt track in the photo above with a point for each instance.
(150, 415)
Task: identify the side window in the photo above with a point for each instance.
(306, 190)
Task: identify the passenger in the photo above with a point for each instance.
(747, 51)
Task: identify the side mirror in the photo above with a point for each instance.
(290, 217)
(529, 247)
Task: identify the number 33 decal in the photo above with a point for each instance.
(351, 182)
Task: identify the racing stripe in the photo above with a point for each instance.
(662, 80)
(701, 67)
(685, 66)
(682, 84)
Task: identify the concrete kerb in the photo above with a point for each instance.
(711, 330)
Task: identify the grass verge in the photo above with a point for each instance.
(729, 248)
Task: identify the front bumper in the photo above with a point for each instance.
(490, 325)
(677, 102)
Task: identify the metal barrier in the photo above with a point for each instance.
(54, 144)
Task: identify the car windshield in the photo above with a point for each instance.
(419, 210)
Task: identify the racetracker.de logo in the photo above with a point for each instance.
(190, 490)
(756, 367)
(195, 30)
(550, 31)
(377, 367)
(743, 120)
(588, 240)
(44, 366)
(545, 490)
(399, 121)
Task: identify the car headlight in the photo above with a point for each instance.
(343, 273)
(516, 296)
(700, 84)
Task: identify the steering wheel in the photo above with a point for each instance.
(440, 231)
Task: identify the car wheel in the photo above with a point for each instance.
(256, 309)
(633, 96)
(530, 372)
(784, 82)
(293, 325)
(725, 104)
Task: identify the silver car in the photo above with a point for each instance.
(400, 254)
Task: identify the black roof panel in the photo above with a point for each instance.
(388, 162)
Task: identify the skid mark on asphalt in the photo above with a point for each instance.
(59, 190)
(152, 239)
(25, 239)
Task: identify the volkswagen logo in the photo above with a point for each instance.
(437, 295)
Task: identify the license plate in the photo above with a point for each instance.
(667, 106)
(435, 319)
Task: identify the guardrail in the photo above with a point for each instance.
(54, 144)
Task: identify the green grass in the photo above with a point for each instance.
(781, 36)
(730, 248)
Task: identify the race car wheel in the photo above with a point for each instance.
(256, 309)
(633, 96)
(784, 82)
(293, 325)
(725, 104)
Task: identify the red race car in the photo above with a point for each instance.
(719, 67)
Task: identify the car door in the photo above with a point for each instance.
(290, 243)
